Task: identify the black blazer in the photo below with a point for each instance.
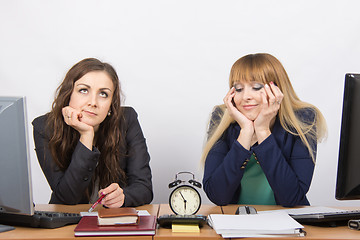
(69, 186)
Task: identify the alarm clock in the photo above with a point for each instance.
(185, 199)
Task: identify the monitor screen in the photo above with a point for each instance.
(15, 178)
(348, 174)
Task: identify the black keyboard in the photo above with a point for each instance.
(166, 221)
(40, 219)
(327, 218)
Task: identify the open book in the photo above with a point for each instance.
(277, 224)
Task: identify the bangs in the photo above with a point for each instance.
(246, 73)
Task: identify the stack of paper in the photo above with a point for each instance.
(277, 224)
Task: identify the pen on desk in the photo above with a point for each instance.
(97, 202)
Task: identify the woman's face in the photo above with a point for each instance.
(248, 98)
(92, 96)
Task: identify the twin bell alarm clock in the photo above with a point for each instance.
(184, 198)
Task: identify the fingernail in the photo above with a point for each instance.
(266, 85)
(271, 82)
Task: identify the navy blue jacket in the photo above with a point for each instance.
(283, 157)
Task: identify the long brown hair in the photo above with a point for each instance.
(109, 138)
(265, 68)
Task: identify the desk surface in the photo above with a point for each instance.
(206, 232)
(67, 232)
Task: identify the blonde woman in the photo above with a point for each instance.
(262, 141)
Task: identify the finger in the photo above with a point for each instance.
(229, 93)
(269, 94)
(67, 116)
(264, 102)
(229, 99)
(112, 187)
(69, 113)
(277, 93)
(112, 191)
(115, 198)
(116, 204)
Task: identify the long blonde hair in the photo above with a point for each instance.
(265, 68)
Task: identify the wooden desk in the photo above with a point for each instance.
(313, 232)
(67, 232)
(206, 232)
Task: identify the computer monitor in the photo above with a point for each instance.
(15, 178)
(348, 173)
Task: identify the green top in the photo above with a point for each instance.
(255, 188)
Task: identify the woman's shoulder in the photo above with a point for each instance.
(307, 114)
(217, 113)
(39, 125)
(129, 113)
(40, 122)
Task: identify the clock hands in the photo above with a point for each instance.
(184, 200)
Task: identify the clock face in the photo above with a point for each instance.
(185, 200)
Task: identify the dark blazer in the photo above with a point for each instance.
(69, 187)
(283, 157)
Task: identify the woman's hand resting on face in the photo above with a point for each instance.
(240, 118)
(72, 117)
(246, 125)
(270, 106)
(259, 128)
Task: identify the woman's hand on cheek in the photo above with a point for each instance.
(271, 99)
(114, 196)
(72, 117)
(240, 118)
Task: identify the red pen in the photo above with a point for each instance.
(97, 202)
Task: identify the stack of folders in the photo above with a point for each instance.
(278, 224)
(116, 222)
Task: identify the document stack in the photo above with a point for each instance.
(277, 224)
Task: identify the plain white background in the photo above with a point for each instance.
(173, 59)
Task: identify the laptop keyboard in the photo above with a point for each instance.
(334, 218)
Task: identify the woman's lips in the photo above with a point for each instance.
(90, 113)
(249, 106)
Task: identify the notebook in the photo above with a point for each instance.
(88, 226)
(114, 216)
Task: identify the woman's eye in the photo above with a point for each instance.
(83, 90)
(238, 87)
(104, 94)
(258, 87)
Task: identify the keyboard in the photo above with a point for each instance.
(330, 218)
(40, 219)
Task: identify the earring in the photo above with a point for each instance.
(109, 113)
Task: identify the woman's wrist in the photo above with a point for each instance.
(262, 135)
(245, 137)
(87, 139)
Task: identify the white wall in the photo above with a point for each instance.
(174, 58)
